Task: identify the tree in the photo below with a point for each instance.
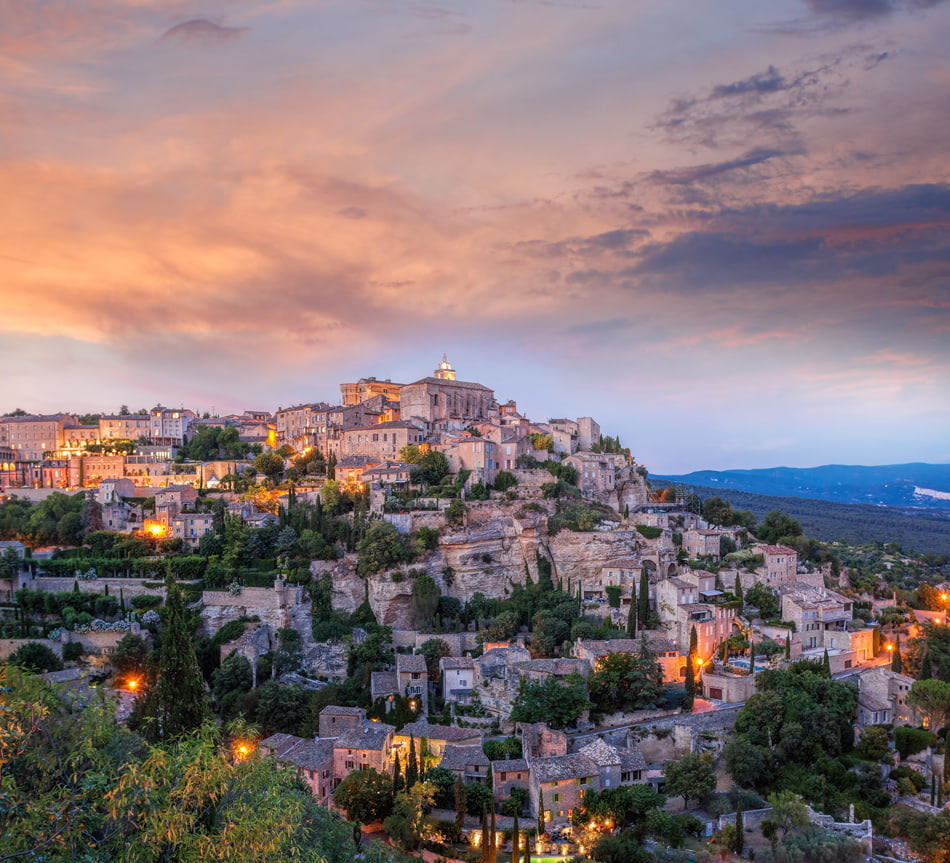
(455, 513)
(690, 777)
(412, 765)
(405, 823)
(424, 601)
(777, 525)
(381, 548)
(897, 661)
(643, 598)
(788, 811)
(626, 681)
(620, 849)
(690, 683)
(461, 802)
(269, 463)
(739, 843)
(478, 798)
(762, 597)
(174, 701)
(36, 657)
(433, 649)
(928, 835)
(504, 480)
(365, 795)
(632, 618)
(558, 704)
(289, 654)
(430, 469)
(932, 699)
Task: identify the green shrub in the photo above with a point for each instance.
(909, 741)
(649, 532)
(143, 603)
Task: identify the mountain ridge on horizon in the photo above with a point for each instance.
(918, 485)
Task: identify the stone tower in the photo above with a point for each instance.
(445, 372)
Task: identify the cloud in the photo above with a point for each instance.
(769, 81)
(697, 173)
(202, 30)
(862, 10)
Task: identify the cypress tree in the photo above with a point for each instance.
(412, 767)
(897, 662)
(788, 646)
(926, 669)
(175, 703)
(493, 845)
(515, 841)
(632, 617)
(693, 639)
(737, 590)
(397, 776)
(826, 662)
(690, 684)
(740, 831)
(643, 598)
(485, 839)
(752, 658)
(461, 801)
(540, 813)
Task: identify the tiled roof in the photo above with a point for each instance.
(371, 735)
(632, 759)
(310, 754)
(601, 753)
(459, 757)
(449, 733)
(280, 743)
(409, 662)
(457, 663)
(342, 711)
(558, 767)
(382, 683)
(509, 765)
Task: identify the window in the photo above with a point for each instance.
(583, 780)
(349, 765)
(557, 798)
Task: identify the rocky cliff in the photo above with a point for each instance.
(497, 548)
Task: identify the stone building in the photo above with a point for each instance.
(780, 563)
(442, 397)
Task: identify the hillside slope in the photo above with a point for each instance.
(857, 523)
(926, 486)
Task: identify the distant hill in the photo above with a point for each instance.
(916, 485)
(918, 531)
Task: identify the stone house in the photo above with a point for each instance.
(382, 441)
(437, 737)
(820, 616)
(557, 784)
(191, 526)
(368, 745)
(312, 758)
(507, 774)
(616, 766)
(780, 563)
(470, 762)
(882, 695)
(596, 472)
(334, 720)
(702, 543)
(662, 648)
(412, 678)
(352, 467)
(458, 678)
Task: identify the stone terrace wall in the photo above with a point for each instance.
(9, 645)
(129, 586)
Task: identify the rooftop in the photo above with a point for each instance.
(559, 767)
(448, 733)
(459, 757)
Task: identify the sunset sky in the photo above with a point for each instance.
(720, 228)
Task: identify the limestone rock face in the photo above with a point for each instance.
(495, 550)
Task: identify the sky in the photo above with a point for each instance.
(719, 228)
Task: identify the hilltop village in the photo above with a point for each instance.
(420, 587)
